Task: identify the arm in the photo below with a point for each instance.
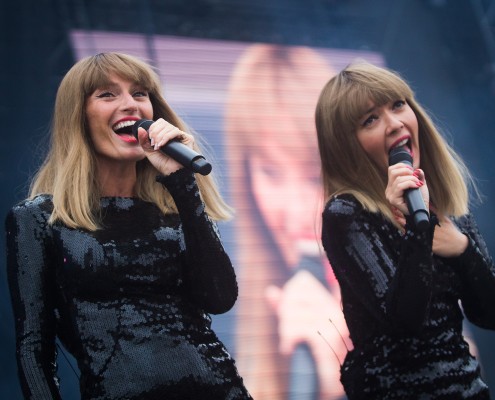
(390, 274)
(30, 283)
(209, 275)
(477, 272)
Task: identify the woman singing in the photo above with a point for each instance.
(116, 251)
(404, 290)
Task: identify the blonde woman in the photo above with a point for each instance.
(116, 251)
(400, 285)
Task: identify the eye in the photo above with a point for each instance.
(269, 171)
(105, 94)
(398, 104)
(368, 121)
(140, 93)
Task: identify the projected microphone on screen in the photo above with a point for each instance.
(303, 382)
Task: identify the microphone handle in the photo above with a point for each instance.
(414, 199)
(417, 209)
(187, 157)
(303, 379)
(303, 372)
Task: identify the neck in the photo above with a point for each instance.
(118, 180)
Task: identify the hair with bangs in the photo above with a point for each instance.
(68, 172)
(346, 167)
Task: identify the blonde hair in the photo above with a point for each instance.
(68, 172)
(346, 168)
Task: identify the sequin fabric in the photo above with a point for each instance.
(401, 305)
(131, 301)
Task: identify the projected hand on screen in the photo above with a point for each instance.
(299, 306)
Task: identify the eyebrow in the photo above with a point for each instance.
(107, 85)
(370, 110)
(113, 85)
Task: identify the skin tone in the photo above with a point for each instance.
(394, 124)
(286, 172)
(292, 184)
(108, 108)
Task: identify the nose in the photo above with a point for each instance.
(394, 124)
(129, 103)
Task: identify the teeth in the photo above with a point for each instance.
(402, 143)
(123, 124)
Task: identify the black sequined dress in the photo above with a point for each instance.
(129, 301)
(401, 304)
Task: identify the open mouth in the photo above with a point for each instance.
(406, 143)
(124, 130)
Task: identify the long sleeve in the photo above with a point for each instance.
(209, 274)
(30, 281)
(128, 301)
(477, 272)
(388, 274)
(401, 304)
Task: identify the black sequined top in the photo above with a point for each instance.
(128, 301)
(401, 304)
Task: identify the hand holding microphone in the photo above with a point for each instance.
(178, 151)
(414, 200)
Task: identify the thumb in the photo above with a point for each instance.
(273, 295)
(144, 139)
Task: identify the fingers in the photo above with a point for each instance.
(144, 140)
(157, 136)
(273, 295)
(399, 216)
(402, 177)
(161, 132)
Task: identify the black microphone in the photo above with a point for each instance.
(414, 200)
(178, 151)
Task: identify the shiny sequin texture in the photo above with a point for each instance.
(129, 301)
(401, 306)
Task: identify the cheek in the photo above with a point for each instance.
(268, 194)
(373, 146)
(92, 123)
(147, 111)
(92, 129)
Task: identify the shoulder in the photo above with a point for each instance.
(40, 206)
(39, 202)
(345, 213)
(464, 221)
(342, 205)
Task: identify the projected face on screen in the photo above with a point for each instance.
(254, 105)
(269, 119)
(286, 186)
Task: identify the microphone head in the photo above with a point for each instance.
(399, 155)
(142, 123)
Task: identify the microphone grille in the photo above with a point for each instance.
(142, 123)
(399, 154)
